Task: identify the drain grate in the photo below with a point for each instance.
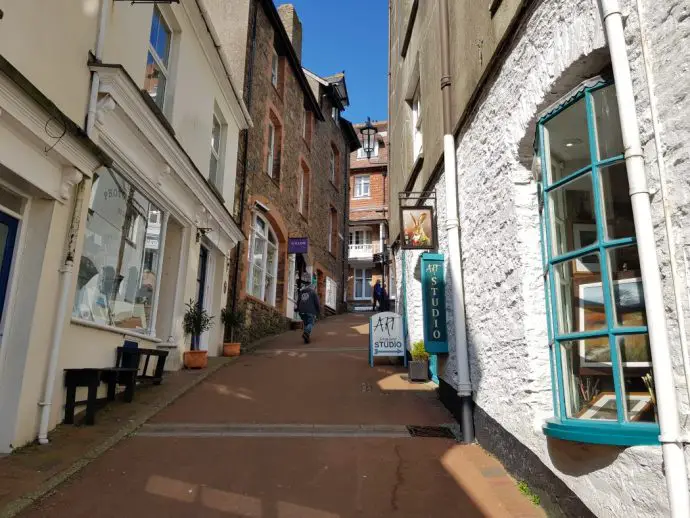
(442, 432)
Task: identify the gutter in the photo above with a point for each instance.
(453, 230)
(667, 404)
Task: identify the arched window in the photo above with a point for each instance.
(599, 346)
(263, 261)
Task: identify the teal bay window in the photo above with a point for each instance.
(603, 387)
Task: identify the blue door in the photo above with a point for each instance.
(8, 235)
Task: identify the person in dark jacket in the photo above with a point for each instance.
(378, 290)
(308, 307)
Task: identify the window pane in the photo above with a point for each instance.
(271, 256)
(257, 280)
(155, 81)
(566, 142)
(213, 170)
(628, 294)
(259, 246)
(617, 205)
(269, 283)
(588, 389)
(579, 295)
(162, 45)
(572, 216)
(607, 121)
(119, 265)
(638, 377)
(215, 135)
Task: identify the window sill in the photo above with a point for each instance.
(256, 300)
(599, 432)
(334, 185)
(116, 330)
(304, 217)
(361, 197)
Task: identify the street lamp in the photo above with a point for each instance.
(368, 137)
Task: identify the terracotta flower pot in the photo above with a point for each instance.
(195, 359)
(231, 349)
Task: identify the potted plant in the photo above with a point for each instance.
(231, 320)
(419, 366)
(196, 321)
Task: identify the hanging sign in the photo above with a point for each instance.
(434, 303)
(418, 228)
(298, 245)
(386, 336)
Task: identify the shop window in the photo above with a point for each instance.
(601, 361)
(120, 261)
(158, 59)
(263, 261)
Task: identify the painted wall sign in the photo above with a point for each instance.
(434, 303)
(298, 245)
(386, 336)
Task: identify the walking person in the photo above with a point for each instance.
(378, 290)
(384, 303)
(308, 306)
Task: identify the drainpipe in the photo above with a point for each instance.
(66, 275)
(67, 269)
(667, 406)
(245, 172)
(453, 229)
(664, 197)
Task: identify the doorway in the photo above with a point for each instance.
(201, 274)
(8, 235)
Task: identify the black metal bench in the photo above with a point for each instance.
(92, 378)
(130, 357)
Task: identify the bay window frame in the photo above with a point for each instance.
(619, 432)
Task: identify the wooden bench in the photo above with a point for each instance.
(130, 357)
(92, 378)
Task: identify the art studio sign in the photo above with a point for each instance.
(434, 303)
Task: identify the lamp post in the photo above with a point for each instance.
(368, 137)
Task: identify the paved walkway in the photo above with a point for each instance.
(295, 431)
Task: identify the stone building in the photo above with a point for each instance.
(566, 141)
(369, 207)
(119, 133)
(293, 166)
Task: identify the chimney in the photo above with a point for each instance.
(293, 27)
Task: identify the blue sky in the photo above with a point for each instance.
(349, 35)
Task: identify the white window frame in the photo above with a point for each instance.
(270, 155)
(275, 69)
(304, 124)
(216, 177)
(165, 69)
(301, 194)
(360, 276)
(359, 186)
(362, 154)
(417, 135)
(269, 298)
(331, 212)
(364, 236)
(335, 113)
(332, 165)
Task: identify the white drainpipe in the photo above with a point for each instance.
(667, 405)
(67, 268)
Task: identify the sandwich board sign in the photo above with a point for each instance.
(386, 336)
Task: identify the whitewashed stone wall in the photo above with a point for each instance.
(504, 293)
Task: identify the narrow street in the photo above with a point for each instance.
(295, 431)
